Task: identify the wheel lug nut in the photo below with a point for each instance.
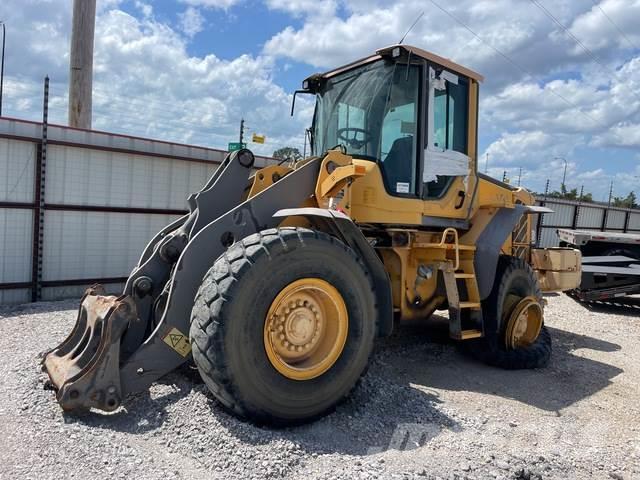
(285, 343)
(281, 336)
(299, 303)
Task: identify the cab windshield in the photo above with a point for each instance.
(372, 112)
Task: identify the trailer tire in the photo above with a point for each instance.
(513, 275)
(230, 324)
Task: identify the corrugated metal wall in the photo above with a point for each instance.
(17, 162)
(583, 216)
(105, 197)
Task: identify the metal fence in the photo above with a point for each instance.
(77, 207)
(583, 216)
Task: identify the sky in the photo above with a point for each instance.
(562, 77)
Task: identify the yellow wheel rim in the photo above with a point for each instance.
(306, 329)
(524, 323)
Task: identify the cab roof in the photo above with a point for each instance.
(406, 50)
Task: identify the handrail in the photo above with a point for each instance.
(445, 234)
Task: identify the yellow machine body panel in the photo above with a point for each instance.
(371, 203)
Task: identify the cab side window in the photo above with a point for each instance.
(449, 127)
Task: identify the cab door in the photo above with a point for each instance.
(449, 162)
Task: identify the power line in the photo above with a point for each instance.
(512, 62)
(576, 39)
(633, 45)
(568, 32)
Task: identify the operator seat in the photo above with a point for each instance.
(397, 166)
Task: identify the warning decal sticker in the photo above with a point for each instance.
(178, 341)
(402, 187)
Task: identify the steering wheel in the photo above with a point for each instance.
(352, 140)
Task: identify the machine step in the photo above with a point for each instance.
(465, 275)
(474, 305)
(465, 315)
(469, 334)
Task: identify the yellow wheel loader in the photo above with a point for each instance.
(278, 282)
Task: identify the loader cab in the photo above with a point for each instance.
(411, 113)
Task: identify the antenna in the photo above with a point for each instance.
(411, 28)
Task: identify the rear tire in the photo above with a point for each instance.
(513, 276)
(228, 324)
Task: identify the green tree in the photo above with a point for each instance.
(630, 201)
(288, 154)
(572, 194)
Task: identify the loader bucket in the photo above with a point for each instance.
(84, 370)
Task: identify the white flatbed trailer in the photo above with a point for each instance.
(610, 263)
(582, 237)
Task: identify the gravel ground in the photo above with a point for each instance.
(424, 410)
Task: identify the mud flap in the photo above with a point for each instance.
(84, 369)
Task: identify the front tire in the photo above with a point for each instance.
(514, 278)
(239, 309)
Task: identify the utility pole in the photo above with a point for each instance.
(241, 130)
(610, 193)
(564, 176)
(519, 176)
(4, 34)
(81, 63)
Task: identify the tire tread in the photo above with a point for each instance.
(489, 349)
(207, 327)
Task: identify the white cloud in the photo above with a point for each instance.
(145, 8)
(625, 134)
(534, 115)
(320, 8)
(146, 83)
(223, 4)
(37, 40)
(598, 33)
(591, 174)
(191, 21)
(328, 42)
(514, 27)
(526, 148)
